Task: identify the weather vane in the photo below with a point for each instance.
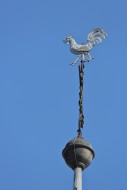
(96, 36)
(78, 153)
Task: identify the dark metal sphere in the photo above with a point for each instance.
(78, 153)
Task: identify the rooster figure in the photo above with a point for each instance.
(96, 36)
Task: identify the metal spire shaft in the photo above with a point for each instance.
(77, 179)
(81, 81)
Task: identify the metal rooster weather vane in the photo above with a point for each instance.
(96, 36)
(78, 152)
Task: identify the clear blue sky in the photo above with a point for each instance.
(39, 93)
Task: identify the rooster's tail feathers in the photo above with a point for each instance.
(96, 36)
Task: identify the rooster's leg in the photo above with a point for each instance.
(90, 57)
(74, 62)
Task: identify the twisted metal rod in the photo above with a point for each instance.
(81, 115)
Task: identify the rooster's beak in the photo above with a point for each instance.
(65, 41)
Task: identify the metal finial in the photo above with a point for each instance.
(78, 153)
